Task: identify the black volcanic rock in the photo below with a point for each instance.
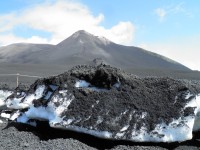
(109, 103)
(83, 48)
(98, 61)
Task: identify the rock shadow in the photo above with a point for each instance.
(45, 133)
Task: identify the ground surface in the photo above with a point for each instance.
(50, 70)
(23, 137)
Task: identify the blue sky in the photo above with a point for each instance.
(170, 28)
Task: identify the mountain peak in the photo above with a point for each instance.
(83, 36)
(81, 33)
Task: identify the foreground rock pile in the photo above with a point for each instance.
(109, 103)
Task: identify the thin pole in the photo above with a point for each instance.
(20, 75)
(18, 79)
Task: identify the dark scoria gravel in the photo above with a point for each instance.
(13, 139)
(14, 136)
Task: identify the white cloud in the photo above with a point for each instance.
(161, 13)
(5, 24)
(6, 39)
(173, 9)
(121, 33)
(62, 18)
(179, 8)
(184, 50)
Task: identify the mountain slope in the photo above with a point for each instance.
(85, 48)
(22, 52)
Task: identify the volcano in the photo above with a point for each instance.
(85, 48)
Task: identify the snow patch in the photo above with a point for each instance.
(196, 101)
(124, 128)
(101, 134)
(10, 115)
(53, 87)
(117, 85)
(5, 115)
(68, 122)
(85, 84)
(15, 115)
(100, 120)
(119, 135)
(23, 119)
(49, 113)
(63, 91)
(178, 130)
(144, 114)
(82, 84)
(80, 41)
(3, 96)
(40, 113)
(48, 95)
(17, 103)
(188, 95)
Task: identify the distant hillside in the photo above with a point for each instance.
(85, 48)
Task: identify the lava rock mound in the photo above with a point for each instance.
(106, 102)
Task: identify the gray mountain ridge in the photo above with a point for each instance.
(85, 48)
